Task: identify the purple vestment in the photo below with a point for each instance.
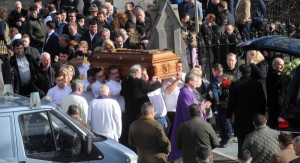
(185, 98)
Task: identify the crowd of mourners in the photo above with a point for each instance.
(162, 120)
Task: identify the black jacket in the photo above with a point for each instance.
(36, 30)
(92, 43)
(45, 79)
(14, 17)
(135, 92)
(34, 53)
(52, 46)
(246, 98)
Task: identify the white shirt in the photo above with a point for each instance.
(104, 118)
(76, 100)
(57, 95)
(83, 69)
(87, 94)
(171, 99)
(48, 18)
(95, 88)
(157, 101)
(115, 88)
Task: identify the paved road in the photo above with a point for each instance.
(226, 155)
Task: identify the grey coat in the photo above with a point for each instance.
(262, 144)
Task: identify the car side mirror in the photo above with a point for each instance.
(88, 145)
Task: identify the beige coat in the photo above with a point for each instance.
(284, 156)
(243, 12)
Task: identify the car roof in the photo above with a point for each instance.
(20, 103)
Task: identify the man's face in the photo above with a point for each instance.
(220, 9)
(100, 77)
(185, 19)
(231, 62)
(34, 14)
(145, 76)
(91, 79)
(19, 51)
(46, 61)
(278, 67)
(58, 19)
(101, 18)
(141, 16)
(72, 17)
(79, 61)
(93, 13)
(26, 42)
(63, 58)
(60, 81)
(63, 16)
(11, 35)
(229, 29)
(192, 1)
(93, 28)
(104, 36)
(296, 148)
(115, 75)
(72, 29)
(119, 42)
(18, 8)
(179, 67)
(194, 83)
(138, 74)
(128, 7)
(109, 10)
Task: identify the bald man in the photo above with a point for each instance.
(275, 92)
(104, 115)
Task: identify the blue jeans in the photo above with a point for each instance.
(225, 128)
(163, 122)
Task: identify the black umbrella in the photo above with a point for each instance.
(276, 43)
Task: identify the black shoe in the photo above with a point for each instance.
(225, 145)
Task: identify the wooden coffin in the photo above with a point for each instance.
(161, 63)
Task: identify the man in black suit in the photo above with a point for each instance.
(246, 98)
(51, 42)
(95, 40)
(25, 66)
(126, 38)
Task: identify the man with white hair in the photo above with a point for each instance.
(45, 75)
(275, 92)
(109, 11)
(105, 35)
(125, 36)
(18, 16)
(296, 143)
(104, 115)
(75, 98)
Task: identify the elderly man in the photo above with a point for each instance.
(142, 20)
(25, 66)
(44, 75)
(296, 143)
(104, 115)
(287, 152)
(186, 98)
(119, 43)
(275, 92)
(262, 142)
(148, 136)
(195, 133)
(126, 38)
(134, 90)
(18, 16)
(76, 98)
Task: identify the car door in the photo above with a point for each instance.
(289, 119)
(7, 139)
(46, 136)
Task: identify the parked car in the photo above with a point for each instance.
(289, 119)
(47, 134)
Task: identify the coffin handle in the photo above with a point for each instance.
(165, 68)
